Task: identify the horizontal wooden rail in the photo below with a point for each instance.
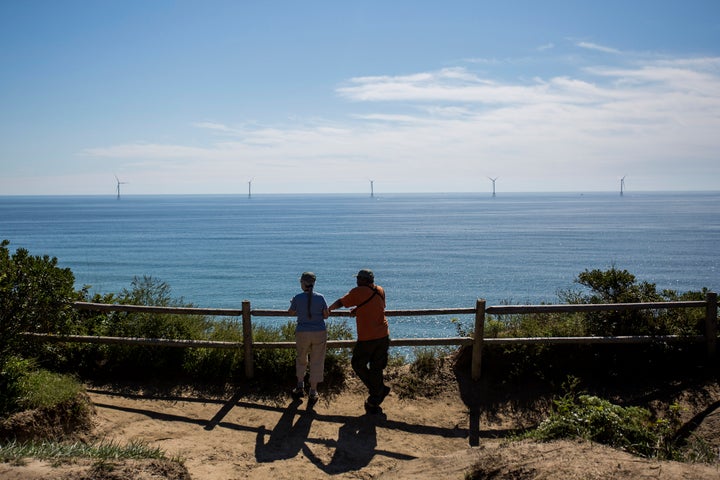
(592, 307)
(401, 342)
(104, 307)
(116, 307)
(630, 339)
(155, 342)
(181, 343)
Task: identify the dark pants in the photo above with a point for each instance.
(369, 359)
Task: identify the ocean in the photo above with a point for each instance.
(427, 250)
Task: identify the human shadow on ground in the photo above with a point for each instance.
(355, 447)
(216, 421)
(287, 438)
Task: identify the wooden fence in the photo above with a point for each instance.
(709, 337)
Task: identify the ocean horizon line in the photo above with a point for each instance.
(362, 194)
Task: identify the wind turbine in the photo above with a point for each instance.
(493, 180)
(372, 189)
(622, 185)
(118, 186)
(250, 188)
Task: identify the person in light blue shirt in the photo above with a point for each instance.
(310, 335)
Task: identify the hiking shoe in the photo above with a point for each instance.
(297, 392)
(313, 396)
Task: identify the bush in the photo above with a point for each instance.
(11, 372)
(602, 286)
(620, 286)
(25, 387)
(35, 296)
(44, 389)
(592, 418)
(133, 361)
(424, 377)
(171, 363)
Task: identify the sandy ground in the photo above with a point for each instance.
(238, 438)
(241, 438)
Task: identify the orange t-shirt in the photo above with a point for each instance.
(370, 318)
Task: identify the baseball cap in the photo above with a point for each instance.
(366, 274)
(308, 278)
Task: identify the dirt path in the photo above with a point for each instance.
(237, 438)
(241, 438)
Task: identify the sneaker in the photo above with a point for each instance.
(297, 392)
(313, 396)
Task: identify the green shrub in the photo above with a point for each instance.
(12, 370)
(43, 389)
(592, 418)
(35, 296)
(424, 377)
(26, 387)
(620, 286)
(602, 286)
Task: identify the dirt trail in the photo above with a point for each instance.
(238, 438)
(241, 438)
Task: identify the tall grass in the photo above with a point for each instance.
(26, 387)
(44, 389)
(103, 450)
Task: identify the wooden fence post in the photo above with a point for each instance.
(247, 339)
(478, 338)
(711, 324)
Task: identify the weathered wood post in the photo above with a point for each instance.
(247, 339)
(711, 324)
(478, 339)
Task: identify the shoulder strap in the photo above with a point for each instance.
(375, 292)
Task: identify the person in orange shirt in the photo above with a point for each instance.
(370, 355)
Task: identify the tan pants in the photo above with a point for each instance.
(313, 345)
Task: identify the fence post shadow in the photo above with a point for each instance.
(224, 410)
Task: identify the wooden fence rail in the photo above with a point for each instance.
(477, 340)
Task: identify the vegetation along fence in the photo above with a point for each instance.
(709, 338)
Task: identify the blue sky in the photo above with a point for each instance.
(321, 97)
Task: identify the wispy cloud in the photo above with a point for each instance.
(451, 126)
(599, 48)
(146, 150)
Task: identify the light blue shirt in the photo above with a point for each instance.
(305, 322)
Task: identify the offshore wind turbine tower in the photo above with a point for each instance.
(118, 186)
(493, 181)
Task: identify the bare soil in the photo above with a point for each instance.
(241, 436)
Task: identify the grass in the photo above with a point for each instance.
(424, 377)
(106, 450)
(43, 389)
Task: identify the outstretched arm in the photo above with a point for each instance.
(336, 304)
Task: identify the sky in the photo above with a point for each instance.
(215, 97)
